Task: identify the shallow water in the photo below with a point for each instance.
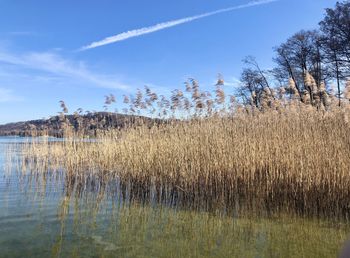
(41, 217)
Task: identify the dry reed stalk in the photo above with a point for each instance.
(284, 155)
(268, 161)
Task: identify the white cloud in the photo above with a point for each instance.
(55, 64)
(169, 24)
(22, 33)
(230, 82)
(7, 95)
(233, 82)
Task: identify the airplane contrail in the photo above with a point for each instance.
(168, 24)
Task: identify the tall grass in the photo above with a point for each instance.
(281, 156)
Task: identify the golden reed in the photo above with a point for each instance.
(281, 156)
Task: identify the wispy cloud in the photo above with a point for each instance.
(55, 64)
(7, 95)
(165, 25)
(22, 33)
(233, 82)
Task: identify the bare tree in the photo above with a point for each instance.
(336, 42)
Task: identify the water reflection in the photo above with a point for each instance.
(61, 215)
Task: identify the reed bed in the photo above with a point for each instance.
(282, 157)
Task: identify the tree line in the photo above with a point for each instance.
(306, 64)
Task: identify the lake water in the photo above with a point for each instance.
(43, 216)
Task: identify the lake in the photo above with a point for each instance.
(44, 216)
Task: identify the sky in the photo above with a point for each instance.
(79, 51)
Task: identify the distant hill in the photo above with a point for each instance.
(88, 124)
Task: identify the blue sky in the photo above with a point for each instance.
(41, 62)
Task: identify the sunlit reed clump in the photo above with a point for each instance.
(274, 153)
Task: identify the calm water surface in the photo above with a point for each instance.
(41, 216)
